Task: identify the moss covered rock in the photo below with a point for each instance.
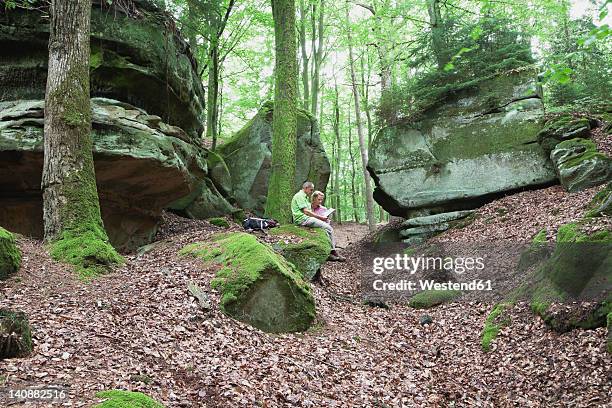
(479, 142)
(579, 268)
(10, 257)
(15, 334)
(579, 164)
(248, 156)
(430, 298)
(219, 173)
(258, 286)
(126, 399)
(562, 128)
(306, 248)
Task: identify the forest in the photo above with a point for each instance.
(305, 203)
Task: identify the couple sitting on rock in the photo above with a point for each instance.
(307, 211)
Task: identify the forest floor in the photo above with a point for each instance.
(139, 329)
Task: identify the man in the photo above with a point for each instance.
(304, 216)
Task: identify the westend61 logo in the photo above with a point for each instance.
(402, 264)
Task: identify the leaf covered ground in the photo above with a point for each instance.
(139, 329)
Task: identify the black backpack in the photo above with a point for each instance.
(253, 223)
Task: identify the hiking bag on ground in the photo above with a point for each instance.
(253, 223)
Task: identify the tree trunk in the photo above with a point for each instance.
(305, 59)
(212, 111)
(317, 54)
(362, 143)
(437, 33)
(284, 123)
(71, 208)
(339, 155)
(352, 157)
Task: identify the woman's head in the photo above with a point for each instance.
(317, 198)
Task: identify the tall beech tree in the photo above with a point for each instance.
(72, 220)
(363, 146)
(284, 123)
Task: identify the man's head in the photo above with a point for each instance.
(308, 187)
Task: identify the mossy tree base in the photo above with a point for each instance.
(430, 298)
(89, 251)
(126, 399)
(258, 286)
(307, 255)
(10, 257)
(15, 334)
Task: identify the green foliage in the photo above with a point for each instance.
(497, 48)
(126, 399)
(493, 324)
(578, 75)
(10, 256)
(430, 298)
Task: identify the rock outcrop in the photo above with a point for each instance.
(248, 157)
(579, 165)
(148, 111)
(257, 285)
(137, 56)
(143, 165)
(10, 257)
(478, 143)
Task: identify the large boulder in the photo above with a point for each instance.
(137, 56)
(478, 143)
(257, 285)
(10, 257)
(142, 164)
(248, 157)
(579, 164)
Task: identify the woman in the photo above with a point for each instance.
(317, 204)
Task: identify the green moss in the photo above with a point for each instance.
(126, 399)
(540, 237)
(10, 257)
(219, 222)
(15, 334)
(250, 269)
(493, 324)
(431, 298)
(307, 255)
(87, 249)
